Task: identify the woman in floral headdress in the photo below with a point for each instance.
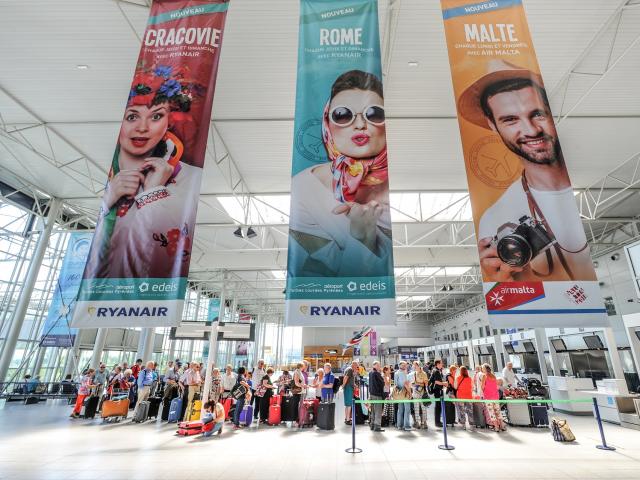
(145, 228)
(341, 224)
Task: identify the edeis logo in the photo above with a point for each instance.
(352, 286)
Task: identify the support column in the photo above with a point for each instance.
(172, 350)
(213, 344)
(542, 343)
(73, 358)
(553, 356)
(472, 357)
(190, 359)
(147, 349)
(27, 288)
(499, 348)
(52, 366)
(98, 347)
(38, 363)
(141, 340)
(614, 355)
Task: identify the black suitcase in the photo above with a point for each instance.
(31, 400)
(361, 418)
(539, 414)
(450, 413)
(289, 413)
(154, 406)
(166, 406)
(326, 416)
(91, 406)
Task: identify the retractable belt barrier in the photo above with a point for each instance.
(442, 400)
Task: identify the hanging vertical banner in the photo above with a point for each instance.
(56, 331)
(213, 314)
(536, 265)
(340, 259)
(139, 259)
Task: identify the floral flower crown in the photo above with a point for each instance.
(163, 84)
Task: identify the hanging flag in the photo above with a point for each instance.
(340, 259)
(56, 331)
(139, 260)
(213, 314)
(356, 341)
(536, 265)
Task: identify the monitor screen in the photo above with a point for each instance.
(593, 341)
(638, 334)
(478, 350)
(491, 350)
(529, 347)
(558, 344)
(508, 347)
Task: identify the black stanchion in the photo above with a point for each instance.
(353, 448)
(446, 445)
(604, 445)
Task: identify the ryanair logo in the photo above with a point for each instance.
(340, 310)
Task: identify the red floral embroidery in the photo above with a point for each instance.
(175, 241)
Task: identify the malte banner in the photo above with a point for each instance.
(213, 314)
(56, 331)
(536, 265)
(138, 264)
(340, 259)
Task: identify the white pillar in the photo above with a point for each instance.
(172, 350)
(213, 346)
(73, 358)
(98, 347)
(499, 348)
(614, 355)
(27, 288)
(542, 343)
(52, 366)
(147, 349)
(472, 357)
(141, 340)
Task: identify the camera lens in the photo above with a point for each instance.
(514, 250)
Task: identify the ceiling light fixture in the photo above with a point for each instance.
(413, 63)
(251, 233)
(82, 67)
(238, 233)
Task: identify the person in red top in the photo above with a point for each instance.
(135, 369)
(464, 390)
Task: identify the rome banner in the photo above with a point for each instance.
(56, 331)
(340, 259)
(137, 270)
(534, 255)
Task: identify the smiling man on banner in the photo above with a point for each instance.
(533, 231)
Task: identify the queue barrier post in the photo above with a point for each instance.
(353, 448)
(604, 445)
(446, 445)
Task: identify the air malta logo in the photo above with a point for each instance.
(505, 296)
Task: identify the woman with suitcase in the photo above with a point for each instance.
(490, 389)
(86, 385)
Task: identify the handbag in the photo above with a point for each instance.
(238, 391)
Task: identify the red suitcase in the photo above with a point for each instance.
(275, 410)
(307, 413)
(226, 404)
(190, 428)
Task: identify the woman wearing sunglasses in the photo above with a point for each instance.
(341, 218)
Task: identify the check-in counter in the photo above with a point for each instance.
(616, 405)
(570, 388)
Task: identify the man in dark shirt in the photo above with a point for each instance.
(436, 385)
(376, 392)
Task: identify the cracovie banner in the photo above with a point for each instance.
(535, 260)
(340, 261)
(139, 259)
(56, 331)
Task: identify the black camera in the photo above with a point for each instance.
(517, 245)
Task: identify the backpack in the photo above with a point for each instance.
(238, 391)
(561, 431)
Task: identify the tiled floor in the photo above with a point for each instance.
(40, 442)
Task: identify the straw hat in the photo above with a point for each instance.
(497, 70)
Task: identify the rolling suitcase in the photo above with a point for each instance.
(91, 406)
(289, 413)
(306, 414)
(166, 406)
(154, 406)
(141, 412)
(361, 417)
(246, 415)
(190, 428)
(175, 409)
(326, 416)
(275, 411)
(479, 419)
(115, 409)
(196, 408)
(518, 414)
(226, 405)
(539, 414)
(450, 413)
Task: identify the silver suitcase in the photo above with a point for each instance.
(141, 413)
